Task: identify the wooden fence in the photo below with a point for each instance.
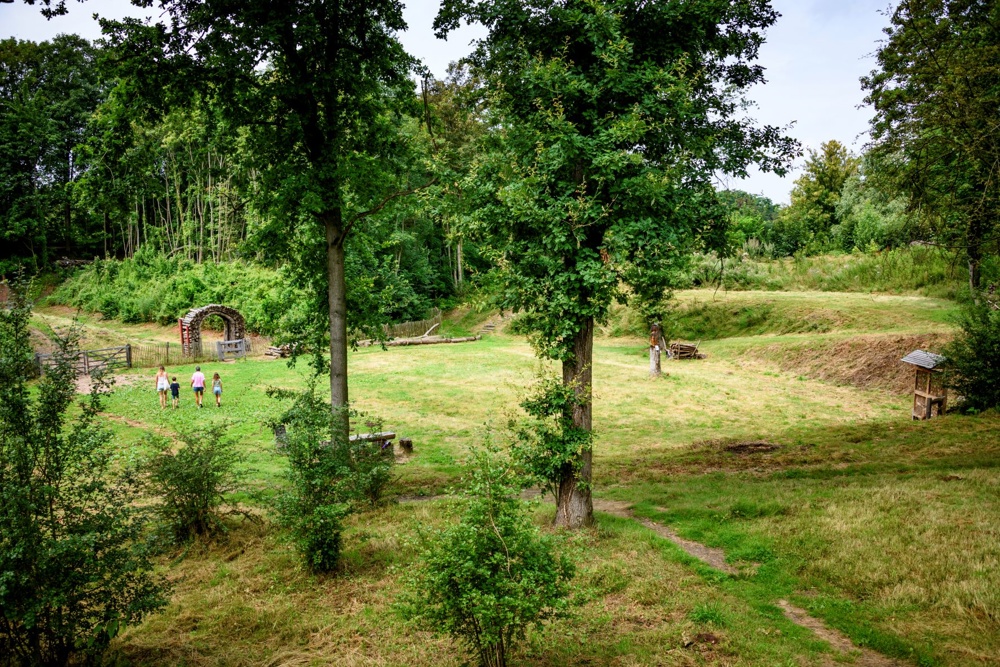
(413, 329)
(91, 361)
(151, 355)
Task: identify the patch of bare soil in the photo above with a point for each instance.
(869, 362)
(838, 641)
(753, 447)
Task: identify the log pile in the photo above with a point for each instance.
(684, 351)
(278, 352)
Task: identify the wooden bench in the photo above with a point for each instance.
(383, 438)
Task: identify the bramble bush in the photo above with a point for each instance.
(494, 575)
(192, 482)
(73, 567)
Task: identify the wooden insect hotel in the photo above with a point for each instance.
(929, 397)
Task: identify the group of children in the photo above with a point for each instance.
(197, 384)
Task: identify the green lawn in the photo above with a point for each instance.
(884, 528)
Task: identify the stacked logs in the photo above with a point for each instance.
(278, 352)
(684, 351)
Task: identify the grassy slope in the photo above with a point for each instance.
(883, 527)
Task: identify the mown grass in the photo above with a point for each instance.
(883, 527)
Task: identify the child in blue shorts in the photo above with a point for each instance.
(175, 391)
(217, 390)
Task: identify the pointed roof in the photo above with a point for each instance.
(927, 360)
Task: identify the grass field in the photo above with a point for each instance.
(884, 528)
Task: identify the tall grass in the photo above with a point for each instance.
(927, 271)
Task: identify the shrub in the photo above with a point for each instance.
(491, 577)
(329, 478)
(371, 465)
(973, 364)
(73, 571)
(547, 442)
(193, 481)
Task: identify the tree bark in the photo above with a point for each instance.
(575, 507)
(337, 304)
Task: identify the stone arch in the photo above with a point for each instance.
(190, 325)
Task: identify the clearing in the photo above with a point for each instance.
(788, 452)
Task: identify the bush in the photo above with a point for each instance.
(547, 442)
(193, 481)
(73, 571)
(973, 364)
(329, 478)
(493, 576)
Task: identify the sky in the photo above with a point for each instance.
(814, 56)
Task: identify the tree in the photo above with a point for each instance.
(48, 92)
(611, 117)
(813, 210)
(935, 132)
(73, 571)
(316, 84)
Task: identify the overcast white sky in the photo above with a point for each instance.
(814, 57)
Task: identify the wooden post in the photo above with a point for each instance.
(128, 355)
(655, 336)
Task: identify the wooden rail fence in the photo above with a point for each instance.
(91, 361)
(414, 329)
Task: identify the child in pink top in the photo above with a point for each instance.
(198, 384)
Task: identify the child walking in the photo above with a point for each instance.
(161, 386)
(175, 391)
(217, 390)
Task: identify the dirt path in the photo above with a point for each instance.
(716, 558)
(840, 642)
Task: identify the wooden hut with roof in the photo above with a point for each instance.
(929, 397)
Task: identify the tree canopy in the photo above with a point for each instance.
(935, 130)
(317, 85)
(612, 118)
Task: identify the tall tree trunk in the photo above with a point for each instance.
(575, 507)
(337, 303)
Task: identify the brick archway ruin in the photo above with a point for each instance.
(190, 326)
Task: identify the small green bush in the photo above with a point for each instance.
(491, 577)
(328, 477)
(973, 366)
(192, 482)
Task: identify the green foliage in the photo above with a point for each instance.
(934, 135)
(48, 92)
(491, 577)
(329, 474)
(924, 270)
(973, 356)
(592, 185)
(548, 442)
(73, 570)
(152, 287)
(806, 223)
(192, 482)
